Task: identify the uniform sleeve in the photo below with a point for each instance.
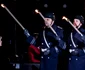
(30, 39)
(83, 37)
(80, 38)
(58, 39)
(61, 42)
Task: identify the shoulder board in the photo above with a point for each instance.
(59, 27)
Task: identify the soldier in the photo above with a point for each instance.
(76, 44)
(49, 43)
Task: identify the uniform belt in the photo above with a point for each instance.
(72, 50)
(46, 51)
(79, 52)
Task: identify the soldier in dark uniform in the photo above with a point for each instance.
(76, 44)
(50, 44)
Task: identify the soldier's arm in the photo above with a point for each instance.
(60, 41)
(62, 44)
(30, 39)
(83, 37)
(80, 38)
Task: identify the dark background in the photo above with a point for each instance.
(14, 39)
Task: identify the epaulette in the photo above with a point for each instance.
(59, 27)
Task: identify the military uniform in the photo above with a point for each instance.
(76, 45)
(51, 49)
(50, 44)
(49, 55)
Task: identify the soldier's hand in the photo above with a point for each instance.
(26, 33)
